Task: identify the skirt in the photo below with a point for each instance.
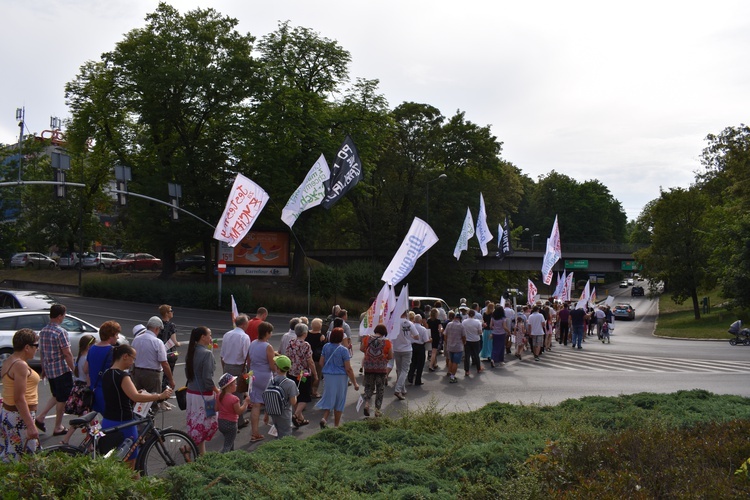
(498, 348)
(486, 344)
(13, 442)
(334, 393)
(200, 428)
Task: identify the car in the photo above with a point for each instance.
(623, 311)
(25, 299)
(637, 291)
(71, 260)
(623, 284)
(196, 261)
(99, 260)
(12, 321)
(428, 301)
(630, 281)
(32, 260)
(137, 262)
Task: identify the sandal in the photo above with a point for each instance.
(323, 423)
(40, 425)
(257, 437)
(367, 410)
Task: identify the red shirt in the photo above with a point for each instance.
(252, 328)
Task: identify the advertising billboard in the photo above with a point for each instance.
(258, 249)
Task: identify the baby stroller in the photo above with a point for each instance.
(605, 332)
(741, 336)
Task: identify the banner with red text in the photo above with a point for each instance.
(245, 202)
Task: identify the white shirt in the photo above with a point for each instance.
(472, 329)
(424, 335)
(285, 339)
(510, 315)
(235, 346)
(406, 333)
(151, 351)
(536, 323)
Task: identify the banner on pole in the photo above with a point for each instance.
(246, 200)
(417, 241)
(483, 231)
(347, 172)
(309, 194)
(467, 231)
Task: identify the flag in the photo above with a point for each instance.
(467, 231)
(234, 310)
(558, 293)
(374, 314)
(592, 299)
(584, 299)
(532, 292)
(483, 231)
(309, 194)
(347, 172)
(552, 254)
(417, 241)
(568, 287)
(402, 305)
(503, 240)
(246, 200)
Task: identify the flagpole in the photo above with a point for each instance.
(299, 245)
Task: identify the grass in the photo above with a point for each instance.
(678, 320)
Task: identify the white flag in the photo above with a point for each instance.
(483, 231)
(558, 293)
(417, 241)
(467, 231)
(568, 287)
(309, 194)
(245, 202)
(234, 310)
(592, 298)
(402, 305)
(584, 297)
(531, 293)
(374, 315)
(552, 254)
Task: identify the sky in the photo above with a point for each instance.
(625, 93)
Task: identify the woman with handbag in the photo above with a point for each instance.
(99, 359)
(202, 420)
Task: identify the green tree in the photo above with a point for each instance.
(680, 245)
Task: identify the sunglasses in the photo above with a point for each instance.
(35, 344)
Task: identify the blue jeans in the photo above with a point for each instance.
(577, 335)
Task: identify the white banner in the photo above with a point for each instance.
(531, 293)
(374, 315)
(417, 241)
(246, 200)
(552, 254)
(402, 305)
(584, 300)
(483, 231)
(309, 194)
(467, 231)
(558, 293)
(568, 287)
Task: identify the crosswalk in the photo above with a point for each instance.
(565, 358)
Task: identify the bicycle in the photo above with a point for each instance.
(159, 448)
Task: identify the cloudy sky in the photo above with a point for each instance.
(622, 92)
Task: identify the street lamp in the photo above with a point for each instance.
(427, 219)
(533, 236)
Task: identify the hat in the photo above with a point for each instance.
(138, 329)
(225, 380)
(283, 363)
(155, 321)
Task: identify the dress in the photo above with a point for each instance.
(334, 390)
(99, 359)
(299, 352)
(12, 427)
(227, 420)
(486, 337)
(200, 427)
(498, 339)
(260, 368)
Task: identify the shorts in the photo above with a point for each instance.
(537, 340)
(456, 357)
(61, 387)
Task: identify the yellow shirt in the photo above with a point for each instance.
(32, 383)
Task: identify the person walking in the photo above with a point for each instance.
(577, 321)
(202, 422)
(563, 323)
(402, 353)
(499, 329)
(99, 359)
(263, 367)
(152, 358)
(436, 333)
(283, 421)
(378, 351)
(455, 338)
(337, 368)
(168, 335)
(486, 352)
(418, 351)
(536, 325)
(230, 409)
(235, 350)
(317, 339)
(473, 330)
(302, 372)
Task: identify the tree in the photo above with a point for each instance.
(680, 248)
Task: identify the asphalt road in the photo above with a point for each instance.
(634, 361)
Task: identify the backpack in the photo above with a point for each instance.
(274, 398)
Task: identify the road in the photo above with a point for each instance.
(635, 361)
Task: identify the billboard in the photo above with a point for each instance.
(258, 249)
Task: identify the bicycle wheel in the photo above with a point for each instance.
(175, 448)
(64, 448)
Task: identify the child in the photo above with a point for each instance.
(229, 409)
(605, 332)
(74, 405)
(283, 422)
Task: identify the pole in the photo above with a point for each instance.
(218, 258)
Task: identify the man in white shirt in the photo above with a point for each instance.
(536, 323)
(235, 347)
(510, 322)
(288, 336)
(473, 330)
(151, 360)
(600, 315)
(419, 351)
(407, 332)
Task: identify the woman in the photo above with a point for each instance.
(199, 369)
(261, 363)
(317, 339)
(301, 356)
(487, 339)
(499, 329)
(436, 331)
(378, 350)
(20, 398)
(120, 394)
(336, 367)
(99, 359)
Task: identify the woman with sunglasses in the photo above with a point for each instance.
(20, 398)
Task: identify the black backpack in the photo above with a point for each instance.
(274, 398)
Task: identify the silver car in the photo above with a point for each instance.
(12, 321)
(32, 260)
(99, 260)
(25, 299)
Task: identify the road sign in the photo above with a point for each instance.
(221, 266)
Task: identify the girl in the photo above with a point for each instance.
(75, 406)
(229, 409)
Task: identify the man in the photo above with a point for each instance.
(510, 324)
(168, 335)
(577, 320)
(235, 347)
(151, 361)
(536, 325)
(402, 354)
(252, 326)
(288, 336)
(473, 332)
(455, 338)
(418, 351)
(600, 316)
(57, 367)
(563, 320)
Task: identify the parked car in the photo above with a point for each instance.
(137, 262)
(25, 299)
(99, 260)
(31, 260)
(71, 260)
(196, 261)
(623, 284)
(637, 291)
(12, 321)
(624, 311)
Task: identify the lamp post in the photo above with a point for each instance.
(533, 236)
(427, 220)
